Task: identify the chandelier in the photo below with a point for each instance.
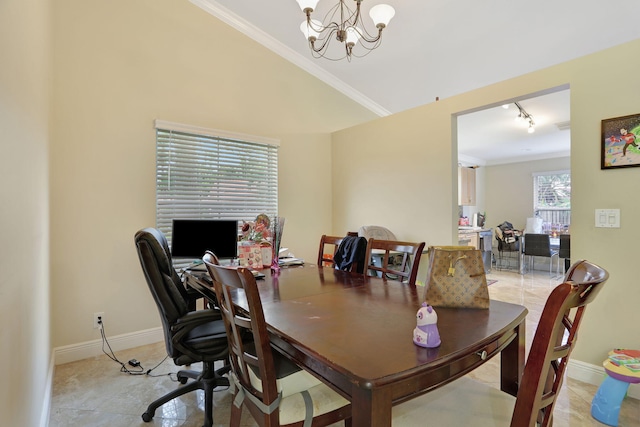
(347, 27)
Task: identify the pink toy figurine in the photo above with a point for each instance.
(426, 332)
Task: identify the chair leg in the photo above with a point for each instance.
(151, 409)
(236, 413)
(207, 380)
(208, 407)
(188, 373)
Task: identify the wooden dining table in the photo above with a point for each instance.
(355, 333)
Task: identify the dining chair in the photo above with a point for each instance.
(565, 250)
(508, 249)
(539, 245)
(344, 253)
(466, 402)
(327, 251)
(275, 390)
(398, 260)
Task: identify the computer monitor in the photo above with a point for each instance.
(191, 238)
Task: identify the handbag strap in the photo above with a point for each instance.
(452, 264)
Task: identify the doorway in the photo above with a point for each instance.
(506, 155)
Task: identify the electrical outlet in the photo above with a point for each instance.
(97, 319)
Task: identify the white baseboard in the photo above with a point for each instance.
(593, 374)
(73, 352)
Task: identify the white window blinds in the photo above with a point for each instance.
(552, 198)
(201, 176)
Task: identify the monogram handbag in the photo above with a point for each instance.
(456, 278)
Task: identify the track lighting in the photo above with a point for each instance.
(524, 116)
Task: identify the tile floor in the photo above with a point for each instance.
(93, 392)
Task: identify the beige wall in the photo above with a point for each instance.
(24, 216)
(399, 171)
(118, 66)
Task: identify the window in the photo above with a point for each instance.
(552, 199)
(210, 174)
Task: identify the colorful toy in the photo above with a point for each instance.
(426, 332)
(622, 368)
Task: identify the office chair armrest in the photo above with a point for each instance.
(196, 318)
(191, 344)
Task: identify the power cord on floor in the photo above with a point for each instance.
(135, 367)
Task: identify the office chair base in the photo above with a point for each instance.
(207, 380)
(184, 375)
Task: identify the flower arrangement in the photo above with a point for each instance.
(257, 231)
(265, 233)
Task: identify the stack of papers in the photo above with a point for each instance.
(287, 261)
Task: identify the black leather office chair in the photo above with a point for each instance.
(190, 336)
(539, 245)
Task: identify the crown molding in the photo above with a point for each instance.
(529, 158)
(245, 27)
(465, 160)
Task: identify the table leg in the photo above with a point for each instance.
(512, 362)
(370, 408)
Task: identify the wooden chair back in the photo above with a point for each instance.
(389, 250)
(256, 355)
(250, 350)
(553, 342)
(326, 255)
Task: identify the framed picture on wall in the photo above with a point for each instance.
(620, 142)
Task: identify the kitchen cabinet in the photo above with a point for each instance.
(466, 186)
(469, 239)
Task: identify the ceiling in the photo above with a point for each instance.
(441, 48)
(493, 136)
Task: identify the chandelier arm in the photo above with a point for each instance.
(324, 40)
(349, 30)
(365, 36)
(367, 50)
(331, 13)
(357, 18)
(332, 27)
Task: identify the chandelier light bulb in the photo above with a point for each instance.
(525, 118)
(308, 30)
(353, 35)
(381, 14)
(307, 5)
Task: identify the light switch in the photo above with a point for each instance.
(608, 218)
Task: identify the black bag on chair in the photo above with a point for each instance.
(509, 242)
(351, 250)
